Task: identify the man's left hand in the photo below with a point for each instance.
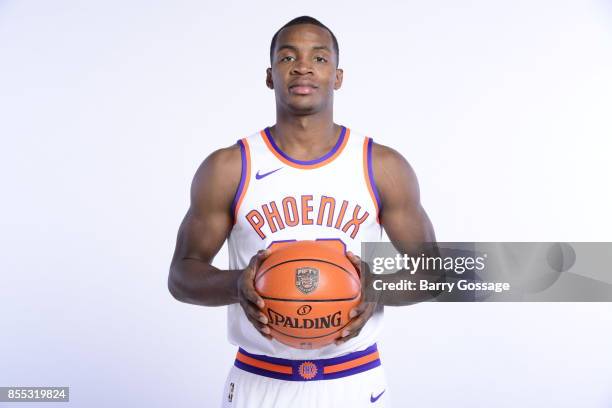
(362, 313)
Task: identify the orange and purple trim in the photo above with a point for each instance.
(245, 176)
(308, 370)
(306, 164)
(369, 176)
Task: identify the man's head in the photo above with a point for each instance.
(305, 20)
(304, 66)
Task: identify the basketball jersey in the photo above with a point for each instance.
(281, 199)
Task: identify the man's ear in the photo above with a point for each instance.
(339, 76)
(269, 82)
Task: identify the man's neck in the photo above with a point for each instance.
(305, 135)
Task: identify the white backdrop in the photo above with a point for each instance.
(107, 108)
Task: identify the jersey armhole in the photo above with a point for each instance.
(245, 176)
(369, 176)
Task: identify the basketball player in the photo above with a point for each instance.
(303, 178)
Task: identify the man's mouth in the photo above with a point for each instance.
(302, 89)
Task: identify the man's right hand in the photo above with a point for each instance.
(248, 297)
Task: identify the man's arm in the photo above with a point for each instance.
(403, 216)
(193, 279)
(404, 220)
(203, 231)
(407, 226)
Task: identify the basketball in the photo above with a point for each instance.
(309, 288)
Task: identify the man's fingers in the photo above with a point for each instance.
(256, 260)
(352, 257)
(259, 258)
(349, 335)
(263, 329)
(248, 284)
(359, 316)
(354, 327)
(253, 312)
(355, 260)
(250, 300)
(362, 267)
(355, 324)
(263, 254)
(359, 309)
(252, 296)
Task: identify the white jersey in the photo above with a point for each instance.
(280, 198)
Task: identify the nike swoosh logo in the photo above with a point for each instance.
(260, 176)
(373, 398)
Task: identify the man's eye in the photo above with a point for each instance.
(320, 59)
(287, 58)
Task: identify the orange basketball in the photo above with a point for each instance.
(309, 288)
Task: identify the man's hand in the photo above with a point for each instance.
(362, 313)
(248, 297)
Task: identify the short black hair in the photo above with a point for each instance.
(305, 20)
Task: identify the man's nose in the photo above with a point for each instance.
(302, 66)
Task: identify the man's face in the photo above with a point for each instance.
(303, 73)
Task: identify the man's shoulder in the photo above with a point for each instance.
(387, 155)
(224, 157)
(392, 170)
(219, 173)
(226, 162)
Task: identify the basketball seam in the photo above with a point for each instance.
(312, 300)
(307, 259)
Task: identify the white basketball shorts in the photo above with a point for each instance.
(354, 380)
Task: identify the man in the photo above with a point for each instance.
(303, 178)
